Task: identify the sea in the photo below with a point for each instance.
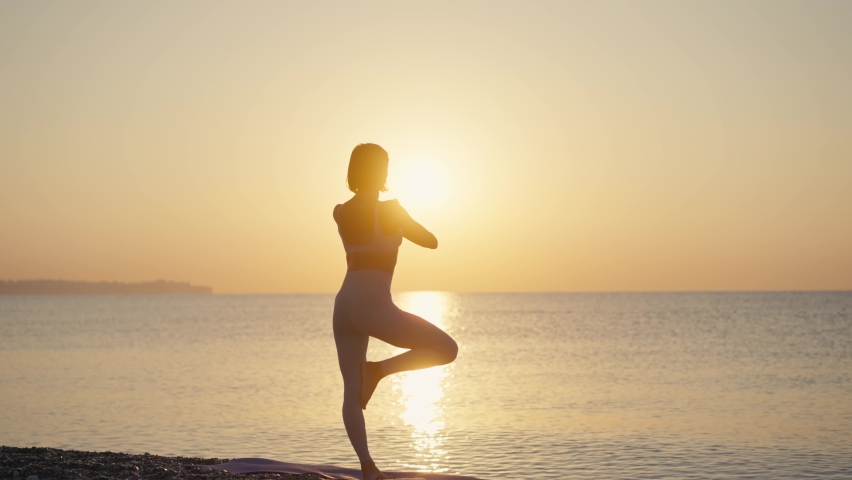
(545, 386)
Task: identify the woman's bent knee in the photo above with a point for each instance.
(450, 351)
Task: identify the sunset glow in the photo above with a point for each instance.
(422, 183)
(590, 146)
(454, 240)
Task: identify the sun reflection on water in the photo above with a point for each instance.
(420, 393)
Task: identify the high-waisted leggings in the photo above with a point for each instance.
(362, 309)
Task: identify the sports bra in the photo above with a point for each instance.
(380, 243)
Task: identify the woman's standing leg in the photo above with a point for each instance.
(351, 353)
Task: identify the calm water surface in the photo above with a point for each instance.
(546, 386)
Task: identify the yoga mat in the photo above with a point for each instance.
(264, 465)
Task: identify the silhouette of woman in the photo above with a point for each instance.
(372, 232)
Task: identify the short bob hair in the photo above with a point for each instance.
(368, 168)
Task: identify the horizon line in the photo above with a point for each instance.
(556, 291)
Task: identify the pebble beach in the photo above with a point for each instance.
(52, 463)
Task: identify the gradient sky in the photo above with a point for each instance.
(579, 146)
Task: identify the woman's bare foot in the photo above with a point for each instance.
(369, 471)
(371, 373)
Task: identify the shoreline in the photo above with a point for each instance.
(21, 463)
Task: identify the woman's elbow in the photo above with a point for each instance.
(424, 239)
(433, 243)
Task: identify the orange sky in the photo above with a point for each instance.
(570, 146)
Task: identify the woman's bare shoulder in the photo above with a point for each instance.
(346, 206)
(392, 209)
(392, 215)
(391, 206)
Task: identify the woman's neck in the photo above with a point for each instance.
(372, 195)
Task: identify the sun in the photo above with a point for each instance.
(422, 183)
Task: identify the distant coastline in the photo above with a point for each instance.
(68, 287)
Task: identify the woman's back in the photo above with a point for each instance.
(366, 226)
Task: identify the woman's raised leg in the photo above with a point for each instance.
(428, 346)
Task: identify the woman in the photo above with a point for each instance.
(372, 232)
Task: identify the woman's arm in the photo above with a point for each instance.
(411, 230)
